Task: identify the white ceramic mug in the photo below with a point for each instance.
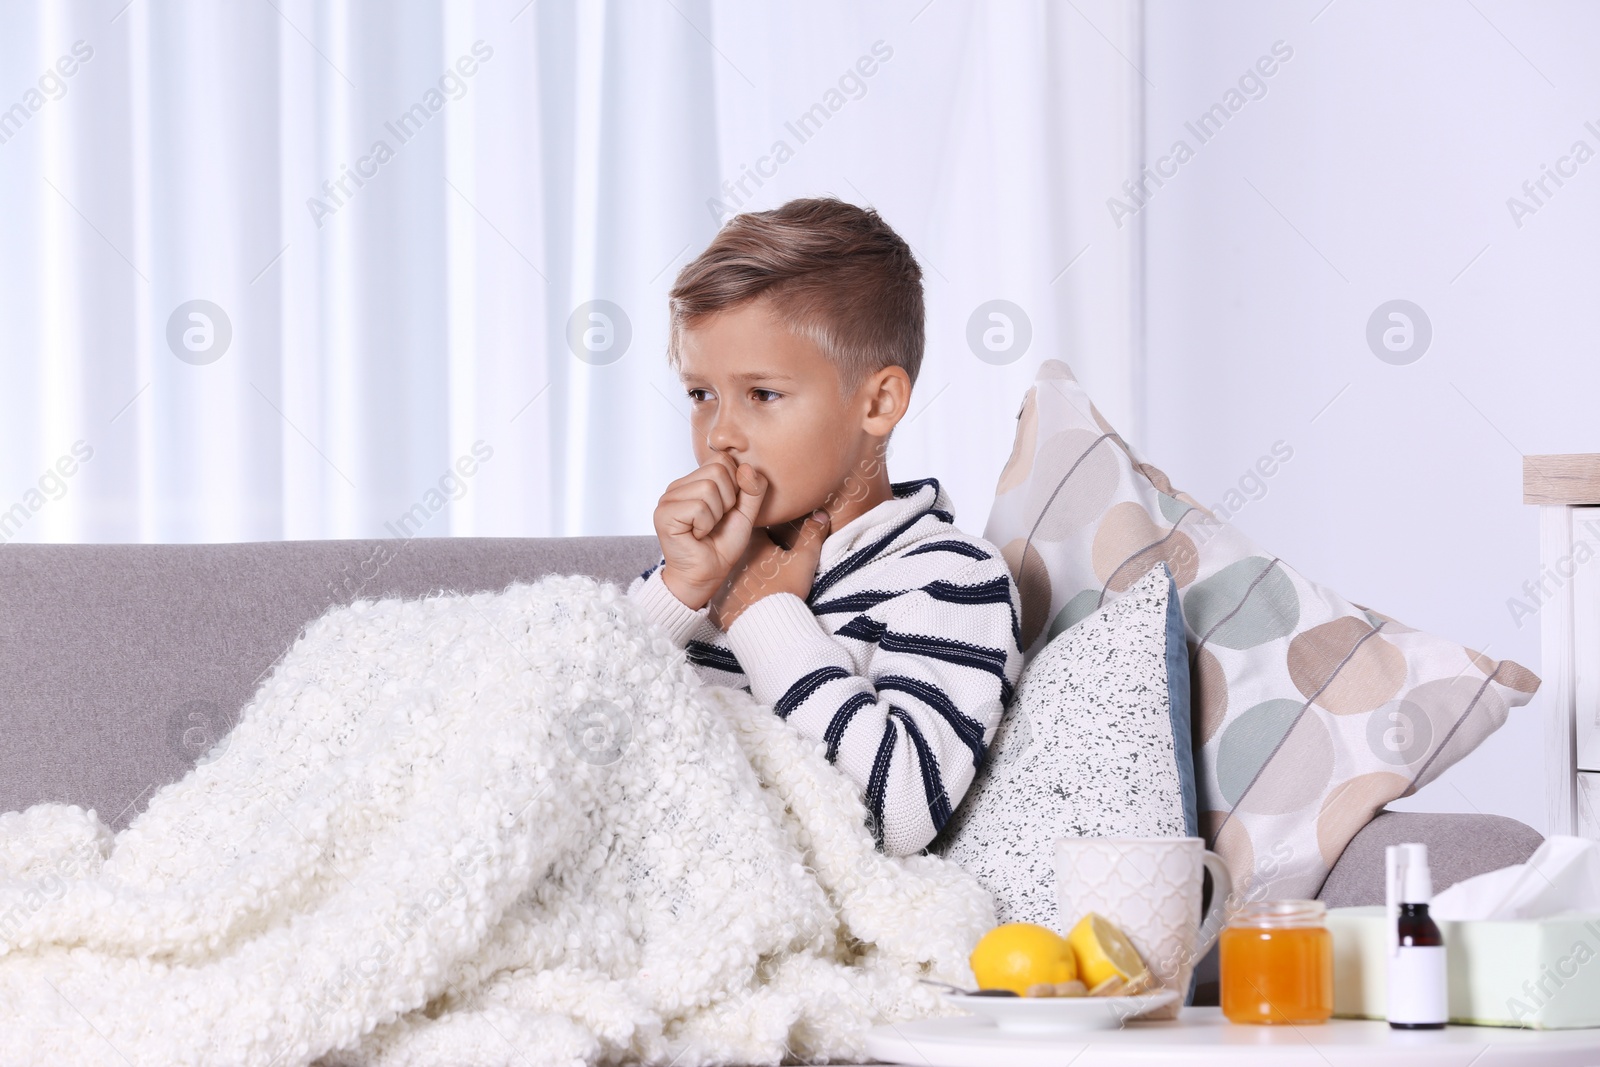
(1150, 887)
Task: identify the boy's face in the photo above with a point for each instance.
(770, 398)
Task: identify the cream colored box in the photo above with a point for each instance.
(1537, 973)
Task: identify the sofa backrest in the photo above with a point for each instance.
(121, 665)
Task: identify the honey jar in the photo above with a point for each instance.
(1276, 960)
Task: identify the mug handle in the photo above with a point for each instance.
(1217, 913)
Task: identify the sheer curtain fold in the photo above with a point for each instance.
(332, 269)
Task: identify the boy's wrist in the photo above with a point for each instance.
(688, 594)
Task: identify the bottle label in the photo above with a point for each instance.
(1417, 985)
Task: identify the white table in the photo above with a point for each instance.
(1201, 1037)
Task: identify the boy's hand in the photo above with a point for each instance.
(768, 567)
(704, 522)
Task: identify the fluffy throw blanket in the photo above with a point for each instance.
(507, 828)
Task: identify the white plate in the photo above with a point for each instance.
(1037, 1015)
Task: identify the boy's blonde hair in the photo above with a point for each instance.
(834, 273)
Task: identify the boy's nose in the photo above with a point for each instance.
(724, 435)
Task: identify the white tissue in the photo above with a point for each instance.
(1562, 876)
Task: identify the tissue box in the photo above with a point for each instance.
(1538, 973)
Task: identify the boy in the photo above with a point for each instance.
(790, 565)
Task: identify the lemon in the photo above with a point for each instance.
(1015, 956)
(1104, 953)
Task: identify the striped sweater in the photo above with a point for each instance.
(899, 662)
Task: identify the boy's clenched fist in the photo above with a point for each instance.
(704, 521)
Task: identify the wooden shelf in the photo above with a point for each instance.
(1572, 480)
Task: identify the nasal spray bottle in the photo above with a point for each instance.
(1416, 971)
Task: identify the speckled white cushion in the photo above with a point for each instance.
(1085, 750)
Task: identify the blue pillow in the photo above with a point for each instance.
(1178, 705)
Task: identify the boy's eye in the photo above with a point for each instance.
(768, 392)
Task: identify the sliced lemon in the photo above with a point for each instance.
(1103, 953)
(1017, 956)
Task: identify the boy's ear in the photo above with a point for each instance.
(889, 397)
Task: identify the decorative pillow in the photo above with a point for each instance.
(1095, 743)
(1311, 713)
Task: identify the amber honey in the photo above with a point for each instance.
(1276, 959)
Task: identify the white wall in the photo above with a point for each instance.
(1378, 166)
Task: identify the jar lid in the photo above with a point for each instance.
(1277, 913)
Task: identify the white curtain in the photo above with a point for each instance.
(389, 212)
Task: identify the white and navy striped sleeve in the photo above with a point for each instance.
(944, 660)
(677, 620)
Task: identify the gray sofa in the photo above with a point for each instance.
(121, 665)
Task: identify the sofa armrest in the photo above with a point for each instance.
(1459, 846)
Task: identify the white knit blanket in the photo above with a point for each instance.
(507, 828)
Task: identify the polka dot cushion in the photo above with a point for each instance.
(1310, 712)
(1088, 748)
